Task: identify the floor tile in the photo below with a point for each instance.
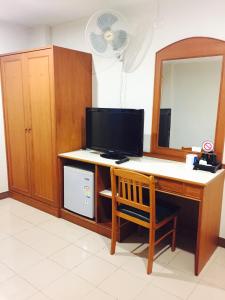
(38, 217)
(9, 246)
(131, 243)
(94, 269)
(8, 205)
(5, 273)
(38, 296)
(97, 294)
(11, 224)
(214, 274)
(16, 288)
(166, 256)
(117, 259)
(138, 267)
(175, 282)
(64, 229)
(21, 210)
(93, 242)
(3, 236)
(70, 256)
(42, 241)
(220, 256)
(68, 287)
(43, 273)
(153, 292)
(207, 292)
(122, 285)
(18, 256)
(184, 261)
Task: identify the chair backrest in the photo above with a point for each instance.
(127, 188)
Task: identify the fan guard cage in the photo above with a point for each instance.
(107, 33)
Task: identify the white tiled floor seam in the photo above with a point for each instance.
(172, 277)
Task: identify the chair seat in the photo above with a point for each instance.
(162, 212)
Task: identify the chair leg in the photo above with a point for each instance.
(151, 249)
(113, 235)
(173, 244)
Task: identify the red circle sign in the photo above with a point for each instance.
(207, 146)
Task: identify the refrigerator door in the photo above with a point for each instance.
(79, 191)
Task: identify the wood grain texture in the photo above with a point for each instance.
(43, 162)
(73, 93)
(45, 94)
(131, 195)
(205, 210)
(209, 222)
(16, 123)
(188, 48)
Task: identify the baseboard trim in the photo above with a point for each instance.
(35, 203)
(221, 242)
(4, 195)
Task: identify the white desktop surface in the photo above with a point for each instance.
(148, 165)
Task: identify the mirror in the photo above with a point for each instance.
(189, 101)
(189, 98)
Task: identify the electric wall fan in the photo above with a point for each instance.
(107, 33)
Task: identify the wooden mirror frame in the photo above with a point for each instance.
(188, 48)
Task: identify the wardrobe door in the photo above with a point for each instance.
(15, 109)
(40, 93)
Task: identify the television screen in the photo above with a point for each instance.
(116, 131)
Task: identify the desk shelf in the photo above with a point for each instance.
(107, 193)
(173, 182)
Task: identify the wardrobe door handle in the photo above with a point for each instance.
(26, 130)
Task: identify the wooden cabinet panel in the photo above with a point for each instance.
(193, 191)
(168, 185)
(179, 188)
(43, 158)
(45, 94)
(16, 123)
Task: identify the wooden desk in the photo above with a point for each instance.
(171, 178)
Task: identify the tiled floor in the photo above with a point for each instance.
(42, 257)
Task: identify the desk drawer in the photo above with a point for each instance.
(193, 191)
(168, 185)
(179, 188)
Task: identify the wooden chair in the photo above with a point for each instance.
(128, 203)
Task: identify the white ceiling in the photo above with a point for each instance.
(50, 12)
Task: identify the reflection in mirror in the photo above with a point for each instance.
(189, 101)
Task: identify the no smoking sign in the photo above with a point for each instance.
(207, 146)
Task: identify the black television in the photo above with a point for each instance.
(115, 132)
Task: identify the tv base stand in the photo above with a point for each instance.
(113, 155)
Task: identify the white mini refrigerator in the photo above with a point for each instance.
(79, 191)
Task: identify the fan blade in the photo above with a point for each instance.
(105, 21)
(98, 42)
(120, 39)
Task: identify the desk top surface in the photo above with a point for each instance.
(148, 165)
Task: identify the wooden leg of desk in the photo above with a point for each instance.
(209, 222)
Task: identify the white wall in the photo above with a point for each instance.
(177, 19)
(12, 38)
(39, 36)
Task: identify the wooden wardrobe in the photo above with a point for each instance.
(45, 93)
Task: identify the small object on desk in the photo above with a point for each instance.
(208, 162)
(196, 149)
(123, 160)
(190, 161)
(209, 168)
(203, 162)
